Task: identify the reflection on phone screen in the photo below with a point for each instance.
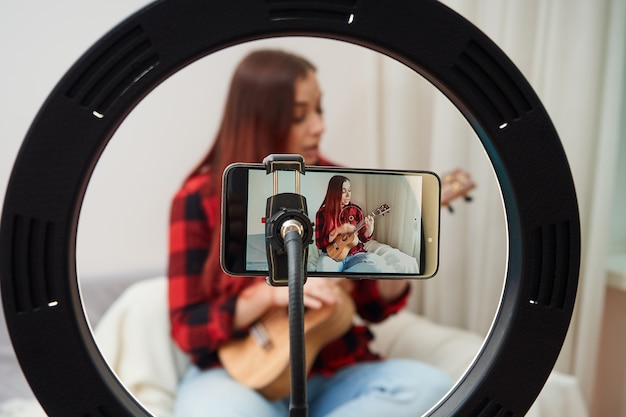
(392, 201)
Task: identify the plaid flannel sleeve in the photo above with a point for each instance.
(358, 215)
(370, 306)
(198, 325)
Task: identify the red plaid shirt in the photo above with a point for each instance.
(349, 214)
(200, 325)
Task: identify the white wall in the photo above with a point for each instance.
(123, 224)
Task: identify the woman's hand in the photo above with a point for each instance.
(369, 226)
(317, 292)
(346, 228)
(391, 289)
(341, 230)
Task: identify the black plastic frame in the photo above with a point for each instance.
(40, 293)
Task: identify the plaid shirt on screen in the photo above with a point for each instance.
(200, 325)
(349, 214)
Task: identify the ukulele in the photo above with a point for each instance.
(339, 248)
(261, 360)
(455, 184)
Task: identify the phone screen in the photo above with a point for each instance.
(391, 218)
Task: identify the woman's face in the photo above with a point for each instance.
(308, 124)
(346, 193)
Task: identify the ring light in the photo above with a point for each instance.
(40, 292)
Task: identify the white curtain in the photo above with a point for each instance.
(402, 197)
(572, 53)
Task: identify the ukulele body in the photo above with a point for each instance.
(261, 359)
(340, 247)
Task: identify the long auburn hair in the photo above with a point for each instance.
(258, 112)
(332, 202)
(257, 118)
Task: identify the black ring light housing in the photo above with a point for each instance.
(40, 292)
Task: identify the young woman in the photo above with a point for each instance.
(274, 106)
(335, 224)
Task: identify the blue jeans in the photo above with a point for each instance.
(394, 387)
(362, 262)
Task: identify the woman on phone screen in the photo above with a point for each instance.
(336, 233)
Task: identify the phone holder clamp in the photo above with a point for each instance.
(285, 211)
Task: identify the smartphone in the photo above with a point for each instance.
(393, 219)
